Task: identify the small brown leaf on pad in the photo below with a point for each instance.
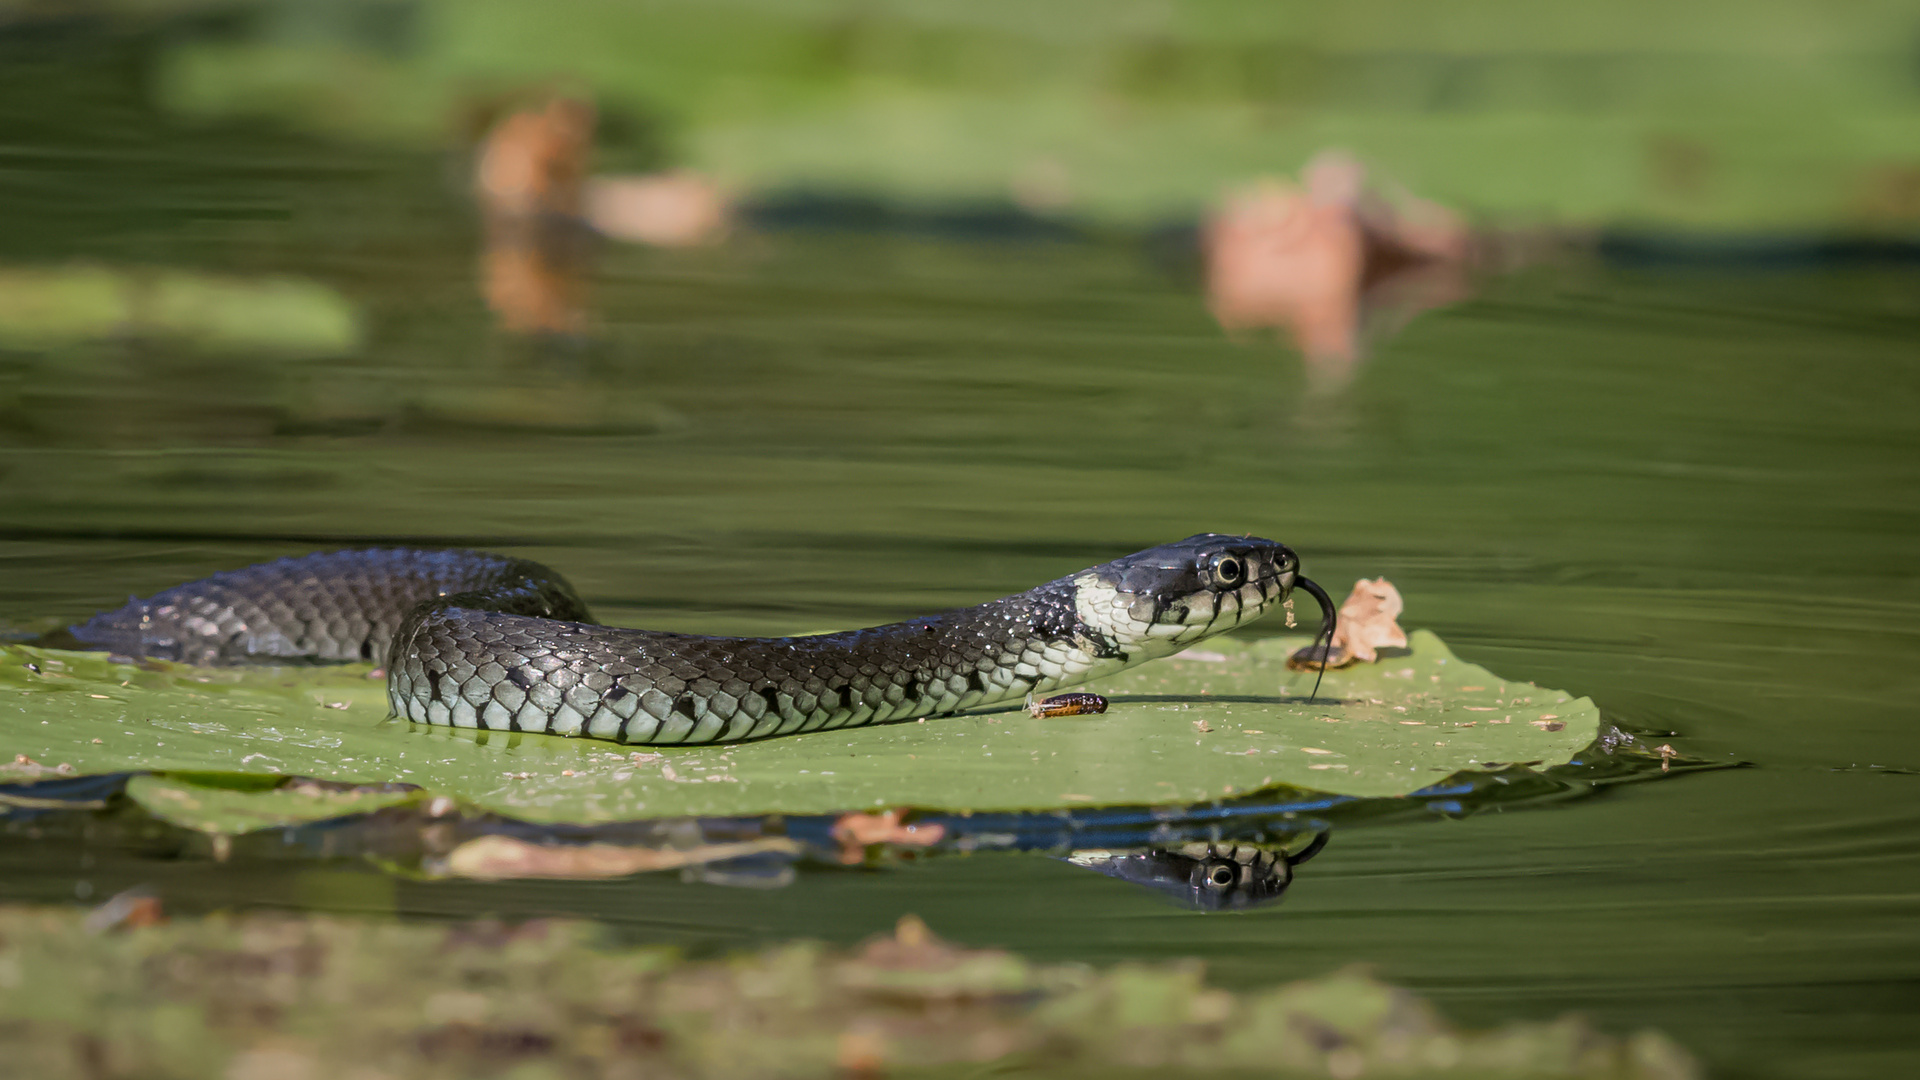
(1367, 623)
(1368, 619)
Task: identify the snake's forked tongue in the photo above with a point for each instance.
(1329, 618)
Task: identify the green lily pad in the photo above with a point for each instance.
(1223, 720)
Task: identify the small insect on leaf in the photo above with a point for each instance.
(1079, 704)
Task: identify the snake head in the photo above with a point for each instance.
(1166, 598)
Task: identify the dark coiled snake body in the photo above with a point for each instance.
(485, 641)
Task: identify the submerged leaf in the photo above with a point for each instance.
(1187, 729)
(497, 858)
(234, 803)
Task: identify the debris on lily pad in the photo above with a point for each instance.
(285, 996)
(23, 767)
(1369, 622)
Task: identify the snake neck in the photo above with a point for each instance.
(1002, 650)
(1054, 636)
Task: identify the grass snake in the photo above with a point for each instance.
(477, 640)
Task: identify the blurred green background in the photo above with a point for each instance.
(1723, 114)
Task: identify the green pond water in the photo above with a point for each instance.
(1687, 494)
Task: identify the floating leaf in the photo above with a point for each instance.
(1369, 620)
(1212, 723)
(43, 306)
(234, 803)
(497, 858)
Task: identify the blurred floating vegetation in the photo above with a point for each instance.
(287, 997)
(53, 306)
(1774, 114)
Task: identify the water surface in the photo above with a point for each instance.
(1687, 493)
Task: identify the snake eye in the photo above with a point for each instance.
(1220, 875)
(1229, 570)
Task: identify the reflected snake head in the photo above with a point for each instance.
(1203, 876)
(1164, 599)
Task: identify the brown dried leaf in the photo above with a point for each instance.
(855, 832)
(1330, 255)
(529, 180)
(534, 161)
(1368, 620)
(674, 209)
(129, 910)
(914, 963)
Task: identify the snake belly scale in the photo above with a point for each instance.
(484, 641)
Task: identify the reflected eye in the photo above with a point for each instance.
(1221, 875)
(1229, 570)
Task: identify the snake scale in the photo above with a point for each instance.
(477, 640)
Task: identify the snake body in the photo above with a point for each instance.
(476, 640)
